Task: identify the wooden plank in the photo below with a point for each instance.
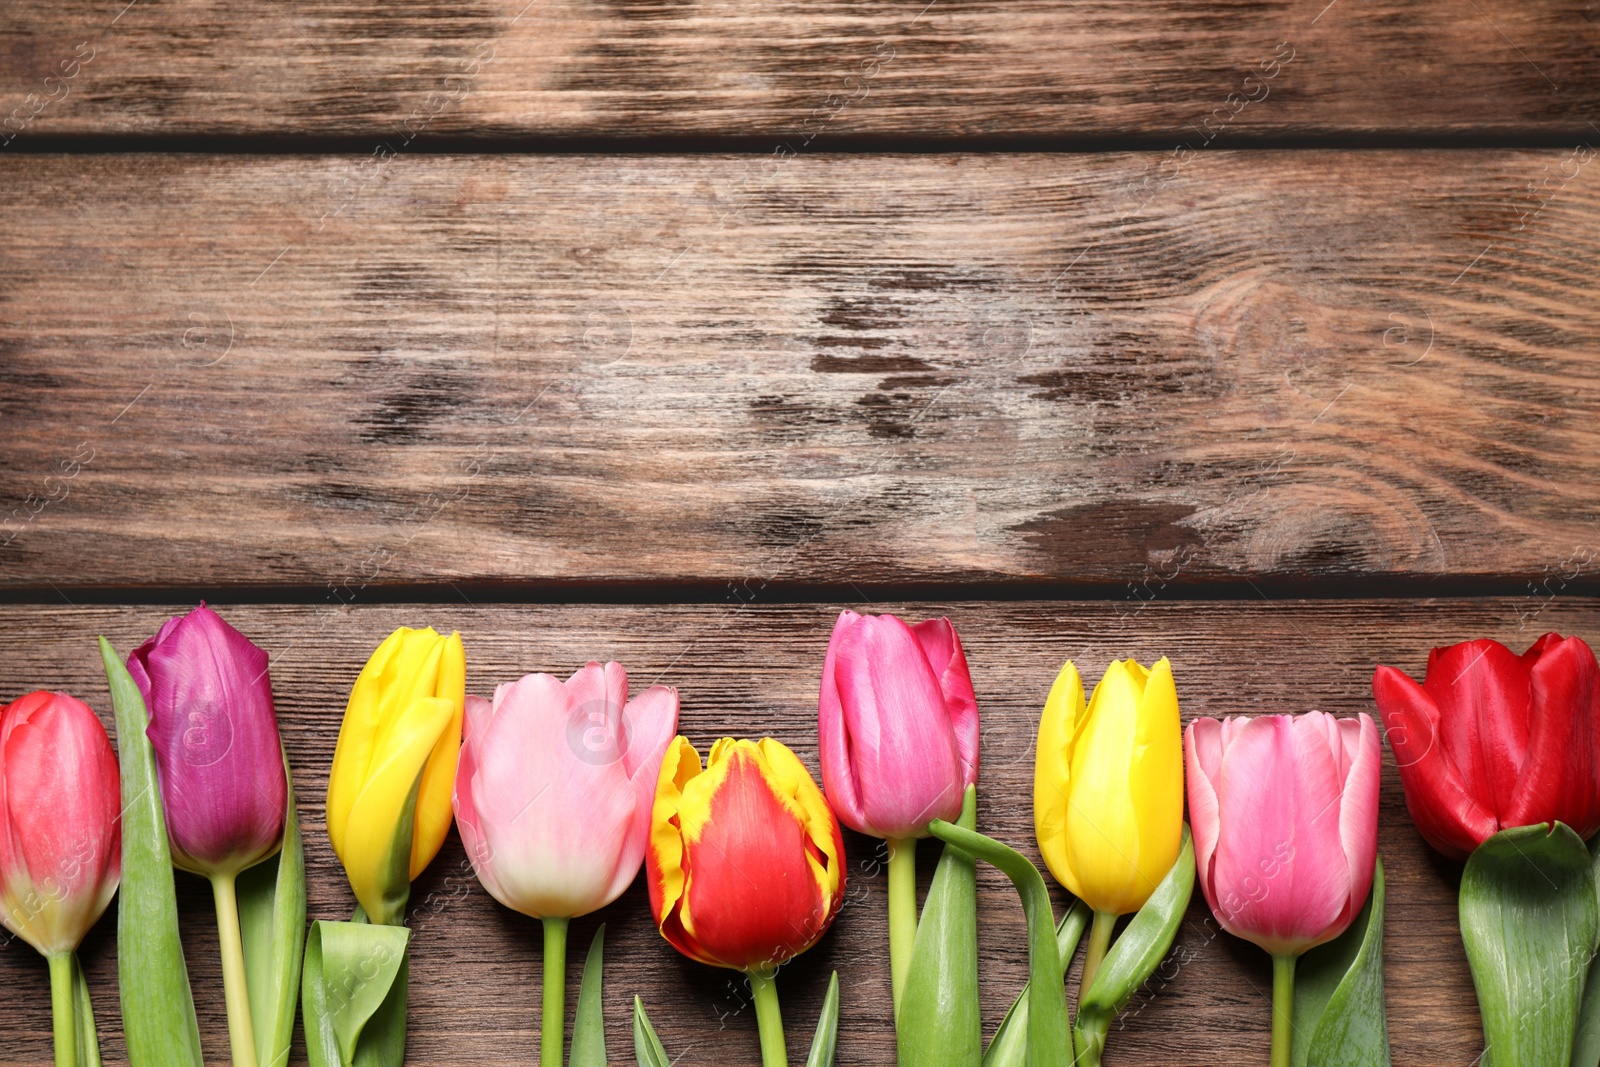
(754, 671)
(793, 71)
(1286, 366)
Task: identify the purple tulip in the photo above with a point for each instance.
(216, 742)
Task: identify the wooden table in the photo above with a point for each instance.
(1259, 335)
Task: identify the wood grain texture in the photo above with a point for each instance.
(1264, 365)
(753, 671)
(792, 71)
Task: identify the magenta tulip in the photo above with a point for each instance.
(1285, 816)
(553, 797)
(215, 737)
(60, 824)
(897, 722)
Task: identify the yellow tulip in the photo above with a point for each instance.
(394, 768)
(1108, 784)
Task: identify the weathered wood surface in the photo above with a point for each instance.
(1274, 365)
(754, 671)
(794, 71)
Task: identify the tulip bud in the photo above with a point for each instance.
(1285, 816)
(897, 724)
(555, 787)
(746, 860)
(1108, 784)
(1492, 740)
(60, 832)
(215, 738)
(394, 766)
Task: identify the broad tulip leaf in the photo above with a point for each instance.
(272, 925)
(1135, 955)
(939, 1024)
(1049, 1031)
(352, 971)
(589, 1028)
(1529, 919)
(826, 1038)
(88, 1038)
(1586, 1042)
(158, 1019)
(1339, 1017)
(647, 1048)
(1009, 1048)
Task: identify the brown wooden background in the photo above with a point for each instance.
(1262, 335)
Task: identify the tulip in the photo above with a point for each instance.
(1492, 740)
(897, 725)
(745, 864)
(553, 799)
(220, 763)
(1108, 790)
(394, 767)
(1285, 816)
(60, 838)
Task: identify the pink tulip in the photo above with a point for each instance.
(897, 724)
(60, 821)
(1285, 816)
(555, 787)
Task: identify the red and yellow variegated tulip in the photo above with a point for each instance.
(746, 860)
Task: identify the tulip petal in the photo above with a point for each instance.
(941, 645)
(1484, 699)
(651, 720)
(665, 857)
(477, 713)
(1359, 758)
(1561, 778)
(377, 844)
(1155, 780)
(1203, 766)
(1052, 771)
(432, 819)
(1440, 802)
(833, 736)
(358, 733)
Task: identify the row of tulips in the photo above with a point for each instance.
(562, 790)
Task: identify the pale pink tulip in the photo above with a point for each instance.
(555, 787)
(897, 724)
(1284, 810)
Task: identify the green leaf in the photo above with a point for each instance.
(1586, 1042)
(647, 1048)
(88, 1038)
(939, 1024)
(158, 1018)
(589, 1028)
(1529, 919)
(1136, 954)
(272, 925)
(1009, 1048)
(1049, 1032)
(827, 1035)
(352, 973)
(1338, 994)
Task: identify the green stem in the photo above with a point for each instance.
(774, 1053)
(235, 990)
(1099, 942)
(63, 1013)
(902, 911)
(552, 1031)
(1282, 1008)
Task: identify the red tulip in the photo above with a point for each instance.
(746, 861)
(60, 824)
(1492, 740)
